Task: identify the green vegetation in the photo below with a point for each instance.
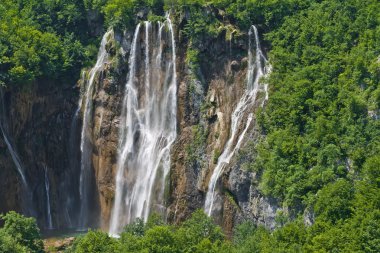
(194, 149)
(321, 143)
(198, 234)
(19, 234)
(321, 147)
(325, 80)
(41, 39)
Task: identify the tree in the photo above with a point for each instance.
(23, 231)
(96, 242)
(9, 245)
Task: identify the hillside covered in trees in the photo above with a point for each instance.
(319, 156)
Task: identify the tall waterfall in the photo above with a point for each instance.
(242, 116)
(86, 136)
(148, 125)
(48, 207)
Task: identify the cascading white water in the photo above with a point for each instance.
(86, 146)
(11, 149)
(48, 207)
(148, 126)
(244, 108)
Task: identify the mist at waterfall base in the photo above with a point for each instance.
(241, 118)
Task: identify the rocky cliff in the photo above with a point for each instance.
(207, 96)
(37, 122)
(45, 128)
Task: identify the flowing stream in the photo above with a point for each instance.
(242, 116)
(48, 207)
(86, 146)
(148, 125)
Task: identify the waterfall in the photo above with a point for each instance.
(242, 116)
(148, 125)
(72, 175)
(11, 149)
(86, 135)
(48, 207)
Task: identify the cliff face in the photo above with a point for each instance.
(45, 128)
(207, 96)
(207, 101)
(37, 123)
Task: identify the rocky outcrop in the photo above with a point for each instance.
(108, 96)
(58, 246)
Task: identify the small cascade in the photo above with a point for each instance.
(5, 132)
(148, 125)
(48, 206)
(86, 135)
(242, 116)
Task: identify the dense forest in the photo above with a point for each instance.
(320, 157)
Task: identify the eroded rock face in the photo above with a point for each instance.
(207, 96)
(38, 122)
(203, 135)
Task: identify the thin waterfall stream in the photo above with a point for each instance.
(242, 116)
(48, 206)
(148, 125)
(86, 146)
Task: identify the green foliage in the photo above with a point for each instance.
(216, 156)
(333, 201)
(41, 39)
(243, 231)
(322, 145)
(21, 232)
(119, 13)
(197, 234)
(96, 242)
(323, 83)
(9, 245)
(194, 149)
(202, 23)
(192, 58)
(160, 239)
(197, 228)
(137, 228)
